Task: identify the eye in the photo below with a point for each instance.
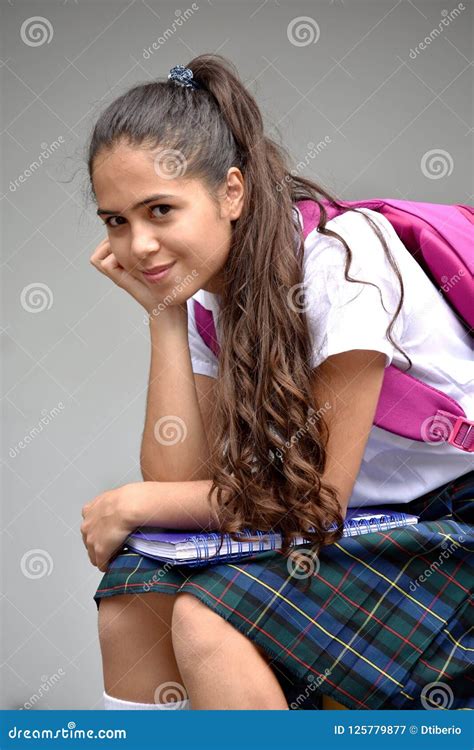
(161, 205)
(108, 222)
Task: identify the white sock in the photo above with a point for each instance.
(112, 703)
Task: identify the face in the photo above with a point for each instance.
(186, 227)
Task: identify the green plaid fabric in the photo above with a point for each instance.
(385, 623)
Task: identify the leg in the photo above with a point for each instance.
(221, 667)
(137, 651)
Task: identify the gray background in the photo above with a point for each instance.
(391, 123)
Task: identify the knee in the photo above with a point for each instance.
(195, 630)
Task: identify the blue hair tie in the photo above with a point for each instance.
(182, 76)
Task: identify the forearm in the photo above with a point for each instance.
(176, 448)
(174, 505)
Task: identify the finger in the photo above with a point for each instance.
(102, 250)
(112, 268)
(110, 263)
(101, 247)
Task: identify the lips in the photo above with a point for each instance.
(157, 269)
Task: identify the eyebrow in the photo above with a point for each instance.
(144, 202)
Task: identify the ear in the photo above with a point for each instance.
(234, 193)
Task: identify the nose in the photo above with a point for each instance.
(143, 244)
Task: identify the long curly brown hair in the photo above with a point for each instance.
(265, 387)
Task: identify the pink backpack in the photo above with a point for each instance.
(441, 239)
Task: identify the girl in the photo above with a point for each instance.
(274, 429)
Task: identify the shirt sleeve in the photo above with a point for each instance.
(344, 315)
(203, 359)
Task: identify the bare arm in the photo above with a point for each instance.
(174, 505)
(350, 382)
(175, 448)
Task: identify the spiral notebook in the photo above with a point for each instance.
(193, 548)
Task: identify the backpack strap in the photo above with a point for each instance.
(407, 406)
(415, 410)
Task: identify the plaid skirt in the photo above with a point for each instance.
(385, 623)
